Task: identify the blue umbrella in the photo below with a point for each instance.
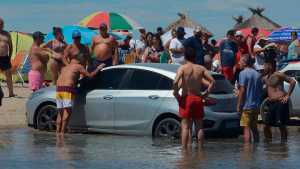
(86, 35)
(282, 35)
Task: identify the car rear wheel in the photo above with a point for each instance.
(46, 118)
(167, 128)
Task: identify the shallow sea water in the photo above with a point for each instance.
(27, 148)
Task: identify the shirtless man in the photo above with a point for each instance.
(278, 115)
(38, 59)
(191, 78)
(65, 91)
(77, 50)
(105, 48)
(57, 47)
(6, 49)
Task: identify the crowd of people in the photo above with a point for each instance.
(248, 61)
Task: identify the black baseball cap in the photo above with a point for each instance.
(180, 30)
(37, 35)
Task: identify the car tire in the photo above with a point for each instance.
(46, 118)
(167, 128)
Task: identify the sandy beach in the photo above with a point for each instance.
(12, 111)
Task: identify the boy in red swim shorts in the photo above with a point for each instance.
(191, 78)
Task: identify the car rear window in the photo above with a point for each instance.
(222, 85)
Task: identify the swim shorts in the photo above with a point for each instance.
(95, 63)
(249, 118)
(65, 96)
(278, 114)
(35, 79)
(5, 63)
(191, 107)
(228, 72)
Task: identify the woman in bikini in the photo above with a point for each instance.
(57, 47)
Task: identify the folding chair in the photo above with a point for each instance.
(23, 68)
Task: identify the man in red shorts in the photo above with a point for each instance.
(191, 78)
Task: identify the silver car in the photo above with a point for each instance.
(134, 99)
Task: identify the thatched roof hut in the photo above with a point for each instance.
(256, 20)
(185, 21)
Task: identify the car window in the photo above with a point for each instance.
(147, 80)
(222, 86)
(165, 83)
(106, 79)
(292, 73)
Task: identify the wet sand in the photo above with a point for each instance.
(12, 111)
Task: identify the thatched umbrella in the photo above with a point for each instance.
(256, 20)
(185, 21)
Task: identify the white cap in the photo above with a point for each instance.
(239, 33)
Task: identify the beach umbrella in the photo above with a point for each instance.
(262, 32)
(114, 21)
(283, 35)
(168, 35)
(86, 34)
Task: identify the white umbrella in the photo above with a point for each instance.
(167, 36)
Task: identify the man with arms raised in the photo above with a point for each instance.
(65, 91)
(191, 78)
(104, 47)
(77, 50)
(6, 49)
(38, 59)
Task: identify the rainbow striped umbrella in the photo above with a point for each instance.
(115, 21)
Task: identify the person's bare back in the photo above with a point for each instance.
(81, 53)
(190, 78)
(5, 41)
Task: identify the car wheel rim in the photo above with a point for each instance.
(47, 119)
(169, 129)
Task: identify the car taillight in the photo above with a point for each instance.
(210, 101)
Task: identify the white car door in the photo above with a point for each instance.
(295, 97)
(100, 101)
(139, 100)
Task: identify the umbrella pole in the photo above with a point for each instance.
(17, 40)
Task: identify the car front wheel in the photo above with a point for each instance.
(46, 118)
(167, 128)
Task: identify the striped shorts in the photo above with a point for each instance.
(65, 96)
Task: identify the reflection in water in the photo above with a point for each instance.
(26, 148)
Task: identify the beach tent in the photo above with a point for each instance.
(185, 21)
(257, 19)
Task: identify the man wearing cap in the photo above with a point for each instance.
(105, 48)
(177, 48)
(38, 59)
(228, 51)
(77, 50)
(195, 42)
(6, 49)
(259, 51)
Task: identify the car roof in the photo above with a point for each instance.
(160, 66)
(291, 66)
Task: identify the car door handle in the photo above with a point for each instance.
(153, 97)
(108, 97)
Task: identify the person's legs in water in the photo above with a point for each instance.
(9, 82)
(59, 121)
(267, 132)
(65, 119)
(253, 126)
(199, 131)
(186, 132)
(283, 133)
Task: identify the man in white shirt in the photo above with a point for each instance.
(177, 48)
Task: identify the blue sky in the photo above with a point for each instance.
(216, 15)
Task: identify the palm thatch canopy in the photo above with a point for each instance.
(256, 20)
(185, 21)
